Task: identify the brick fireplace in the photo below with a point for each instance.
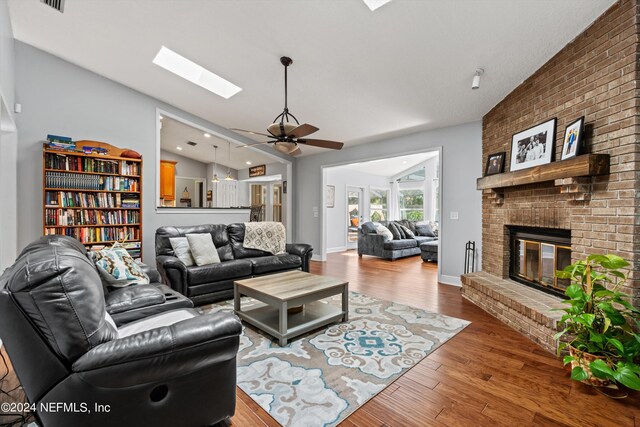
(596, 76)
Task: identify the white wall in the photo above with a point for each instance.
(8, 143)
(337, 219)
(61, 98)
(461, 154)
(185, 167)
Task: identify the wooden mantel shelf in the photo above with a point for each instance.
(587, 165)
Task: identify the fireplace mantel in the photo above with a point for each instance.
(573, 176)
(581, 166)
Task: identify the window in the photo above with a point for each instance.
(378, 204)
(411, 202)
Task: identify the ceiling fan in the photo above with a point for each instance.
(286, 136)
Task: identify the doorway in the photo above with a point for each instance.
(355, 196)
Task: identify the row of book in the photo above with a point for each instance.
(90, 217)
(97, 234)
(90, 182)
(134, 248)
(79, 164)
(68, 199)
(129, 168)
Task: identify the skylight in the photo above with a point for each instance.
(374, 4)
(196, 74)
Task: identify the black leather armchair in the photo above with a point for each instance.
(125, 304)
(210, 283)
(78, 368)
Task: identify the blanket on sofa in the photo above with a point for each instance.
(265, 236)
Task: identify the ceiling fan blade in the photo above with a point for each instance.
(252, 132)
(334, 145)
(303, 130)
(296, 152)
(255, 143)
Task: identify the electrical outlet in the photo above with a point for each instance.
(453, 215)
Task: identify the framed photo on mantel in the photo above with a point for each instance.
(573, 136)
(533, 146)
(495, 164)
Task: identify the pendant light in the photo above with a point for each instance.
(215, 164)
(229, 177)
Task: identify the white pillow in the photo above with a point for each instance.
(202, 248)
(180, 247)
(384, 231)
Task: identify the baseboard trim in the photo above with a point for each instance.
(316, 257)
(338, 249)
(450, 280)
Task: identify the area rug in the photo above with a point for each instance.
(321, 378)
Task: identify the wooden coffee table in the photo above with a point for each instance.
(282, 291)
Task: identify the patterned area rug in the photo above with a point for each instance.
(321, 378)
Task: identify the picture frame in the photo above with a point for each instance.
(331, 196)
(572, 141)
(495, 164)
(533, 146)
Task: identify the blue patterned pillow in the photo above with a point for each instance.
(118, 269)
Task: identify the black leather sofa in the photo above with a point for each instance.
(214, 282)
(173, 368)
(371, 243)
(125, 304)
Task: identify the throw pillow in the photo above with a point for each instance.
(181, 248)
(411, 225)
(408, 233)
(397, 234)
(423, 228)
(383, 231)
(202, 248)
(117, 268)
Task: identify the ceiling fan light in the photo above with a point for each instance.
(285, 147)
(274, 128)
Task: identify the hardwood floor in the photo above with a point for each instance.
(486, 375)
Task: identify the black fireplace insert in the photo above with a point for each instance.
(535, 255)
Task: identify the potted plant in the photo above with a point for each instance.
(600, 325)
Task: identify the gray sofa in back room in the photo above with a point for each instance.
(402, 245)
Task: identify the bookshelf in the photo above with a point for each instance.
(96, 198)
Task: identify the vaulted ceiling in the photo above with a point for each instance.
(357, 75)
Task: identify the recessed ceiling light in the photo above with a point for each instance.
(248, 163)
(196, 74)
(206, 135)
(374, 4)
(179, 148)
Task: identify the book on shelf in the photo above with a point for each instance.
(67, 217)
(72, 199)
(96, 234)
(90, 182)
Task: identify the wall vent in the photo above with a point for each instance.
(191, 143)
(56, 4)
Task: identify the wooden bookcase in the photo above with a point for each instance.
(95, 198)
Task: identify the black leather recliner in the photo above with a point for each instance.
(214, 282)
(173, 368)
(130, 303)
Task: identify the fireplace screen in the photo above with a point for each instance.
(535, 256)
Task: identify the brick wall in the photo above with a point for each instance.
(596, 75)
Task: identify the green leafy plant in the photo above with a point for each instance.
(601, 325)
